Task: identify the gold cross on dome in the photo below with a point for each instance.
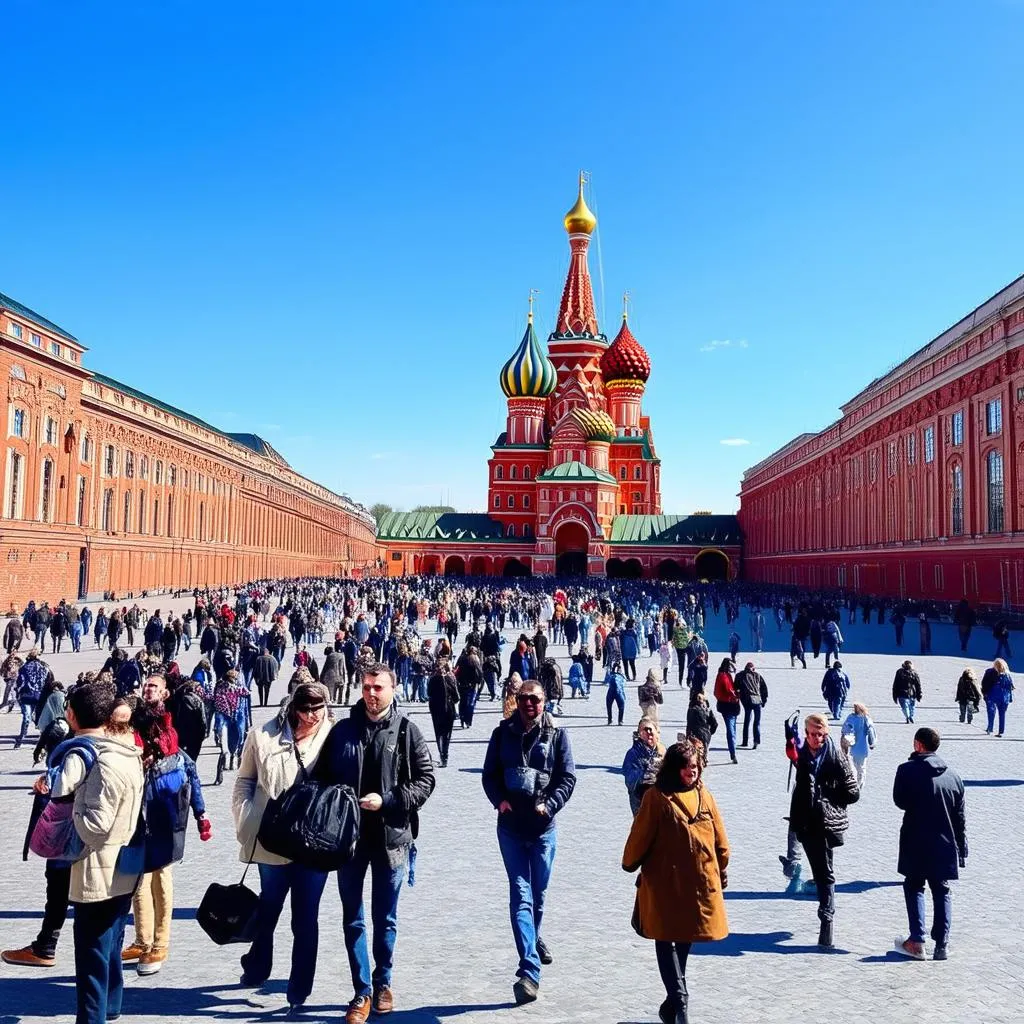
(533, 294)
(626, 299)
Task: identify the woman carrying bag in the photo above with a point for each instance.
(269, 766)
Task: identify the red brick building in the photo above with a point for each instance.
(574, 482)
(106, 488)
(918, 489)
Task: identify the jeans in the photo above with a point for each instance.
(306, 887)
(615, 696)
(991, 708)
(76, 637)
(836, 705)
(528, 864)
(385, 885)
(99, 939)
(752, 711)
(942, 900)
(55, 912)
(672, 957)
(730, 731)
(966, 711)
(819, 857)
(27, 707)
(907, 705)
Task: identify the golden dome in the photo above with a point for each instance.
(579, 220)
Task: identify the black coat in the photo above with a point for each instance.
(823, 791)
(933, 836)
(701, 724)
(906, 684)
(264, 670)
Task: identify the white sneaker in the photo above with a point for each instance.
(903, 948)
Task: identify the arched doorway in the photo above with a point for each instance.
(455, 565)
(514, 568)
(571, 543)
(615, 569)
(712, 564)
(478, 566)
(431, 565)
(634, 569)
(670, 569)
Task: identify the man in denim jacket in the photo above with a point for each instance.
(528, 776)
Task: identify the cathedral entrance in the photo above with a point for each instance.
(712, 564)
(571, 543)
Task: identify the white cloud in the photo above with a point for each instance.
(718, 343)
(734, 442)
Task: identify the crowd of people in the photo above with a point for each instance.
(121, 746)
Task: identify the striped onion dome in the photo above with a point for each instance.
(596, 425)
(529, 373)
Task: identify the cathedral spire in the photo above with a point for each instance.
(576, 314)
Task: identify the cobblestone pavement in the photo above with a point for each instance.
(455, 957)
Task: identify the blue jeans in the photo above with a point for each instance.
(614, 696)
(385, 885)
(992, 708)
(99, 939)
(730, 732)
(306, 887)
(913, 893)
(76, 636)
(752, 712)
(27, 707)
(528, 864)
(907, 705)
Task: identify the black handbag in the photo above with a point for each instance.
(312, 823)
(227, 913)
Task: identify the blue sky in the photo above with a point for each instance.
(320, 221)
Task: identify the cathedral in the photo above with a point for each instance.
(573, 481)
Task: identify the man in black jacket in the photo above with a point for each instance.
(753, 693)
(384, 758)
(825, 786)
(528, 776)
(933, 840)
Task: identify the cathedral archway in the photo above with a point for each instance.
(455, 565)
(515, 568)
(670, 569)
(712, 564)
(572, 539)
(478, 566)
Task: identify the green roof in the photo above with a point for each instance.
(645, 444)
(575, 471)
(441, 526)
(675, 530)
(30, 314)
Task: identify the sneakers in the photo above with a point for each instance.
(383, 1000)
(26, 958)
(543, 952)
(525, 991)
(151, 962)
(910, 949)
(941, 953)
(358, 1010)
(130, 954)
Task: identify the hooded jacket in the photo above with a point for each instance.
(106, 812)
(933, 836)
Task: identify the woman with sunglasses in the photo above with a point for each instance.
(270, 765)
(678, 842)
(642, 761)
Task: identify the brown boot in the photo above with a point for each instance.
(383, 1000)
(26, 958)
(358, 1010)
(131, 954)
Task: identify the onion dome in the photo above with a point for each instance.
(579, 220)
(625, 358)
(529, 373)
(596, 425)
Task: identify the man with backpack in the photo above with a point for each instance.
(32, 677)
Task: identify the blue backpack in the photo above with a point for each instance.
(166, 799)
(51, 828)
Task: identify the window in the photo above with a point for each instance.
(15, 486)
(993, 416)
(890, 460)
(511, 501)
(956, 428)
(158, 471)
(499, 472)
(15, 331)
(527, 475)
(129, 466)
(511, 531)
(170, 515)
(156, 516)
(622, 472)
(527, 530)
(46, 492)
(994, 471)
(80, 507)
(172, 475)
(36, 340)
(911, 449)
(956, 486)
(107, 517)
(86, 448)
(637, 496)
(142, 512)
(497, 501)
(127, 512)
(143, 469)
(526, 501)
(18, 424)
(51, 430)
(55, 348)
(513, 472)
(873, 465)
(638, 473)
(929, 444)
(109, 460)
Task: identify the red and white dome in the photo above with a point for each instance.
(625, 358)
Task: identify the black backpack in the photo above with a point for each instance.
(312, 823)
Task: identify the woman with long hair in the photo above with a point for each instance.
(728, 703)
(678, 842)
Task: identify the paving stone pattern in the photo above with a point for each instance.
(456, 958)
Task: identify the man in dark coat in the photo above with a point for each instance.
(752, 691)
(826, 785)
(264, 672)
(933, 840)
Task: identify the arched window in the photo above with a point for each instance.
(638, 473)
(511, 531)
(18, 423)
(994, 472)
(622, 472)
(46, 492)
(511, 501)
(526, 501)
(127, 511)
(109, 460)
(15, 484)
(80, 508)
(497, 501)
(143, 468)
(956, 500)
(50, 433)
(129, 466)
(499, 472)
(527, 475)
(107, 517)
(142, 511)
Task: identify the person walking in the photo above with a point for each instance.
(629, 642)
(528, 776)
(701, 723)
(825, 786)
(728, 703)
(384, 757)
(968, 696)
(650, 696)
(997, 689)
(906, 690)
(835, 687)
(858, 738)
(642, 761)
(616, 683)
(752, 691)
(933, 841)
(443, 701)
(678, 843)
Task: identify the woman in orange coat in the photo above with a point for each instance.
(678, 841)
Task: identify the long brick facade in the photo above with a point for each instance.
(106, 488)
(918, 490)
